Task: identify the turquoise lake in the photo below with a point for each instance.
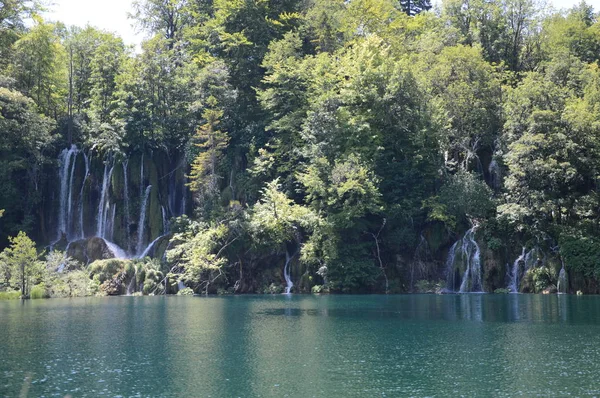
(302, 346)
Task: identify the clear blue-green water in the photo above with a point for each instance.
(302, 346)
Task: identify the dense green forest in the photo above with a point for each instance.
(363, 146)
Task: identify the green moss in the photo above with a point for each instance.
(154, 215)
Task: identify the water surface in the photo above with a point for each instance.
(302, 346)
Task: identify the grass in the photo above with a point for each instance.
(10, 295)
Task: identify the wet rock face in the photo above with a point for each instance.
(89, 250)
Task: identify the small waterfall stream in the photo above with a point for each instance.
(286, 273)
(142, 222)
(104, 205)
(66, 170)
(80, 206)
(126, 200)
(562, 285)
(467, 251)
(519, 267)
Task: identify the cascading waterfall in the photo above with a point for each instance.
(115, 249)
(513, 285)
(471, 281)
(150, 246)
(92, 202)
(103, 206)
(66, 181)
(142, 222)
(562, 284)
(450, 267)
(165, 221)
(111, 223)
(131, 284)
(126, 200)
(70, 197)
(468, 251)
(87, 173)
(516, 271)
(286, 273)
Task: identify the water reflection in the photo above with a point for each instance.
(417, 345)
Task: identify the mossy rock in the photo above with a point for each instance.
(89, 250)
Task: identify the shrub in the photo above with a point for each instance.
(38, 292)
(273, 289)
(186, 291)
(10, 295)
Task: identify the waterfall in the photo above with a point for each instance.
(472, 278)
(513, 285)
(516, 271)
(286, 273)
(87, 173)
(111, 222)
(104, 205)
(180, 285)
(70, 198)
(146, 251)
(126, 199)
(131, 285)
(115, 249)
(165, 221)
(562, 280)
(142, 222)
(65, 174)
(450, 267)
(467, 250)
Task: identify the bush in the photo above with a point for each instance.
(273, 289)
(537, 279)
(38, 292)
(186, 291)
(502, 291)
(10, 295)
(425, 286)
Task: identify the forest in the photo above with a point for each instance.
(324, 146)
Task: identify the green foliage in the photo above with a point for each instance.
(10, 295)
(538, 279)
(425, 286)
(21, 260)
(38, 292)
(186, 292)
(340, 134)
(581, 254)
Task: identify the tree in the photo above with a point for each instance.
(212, 143)
(39, 68)
(12, 16)
(414, 7)
(23, 262)
(25, 136)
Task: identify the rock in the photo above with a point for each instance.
(550, 290)
(89, 250)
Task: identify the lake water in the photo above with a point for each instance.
(302, 346)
